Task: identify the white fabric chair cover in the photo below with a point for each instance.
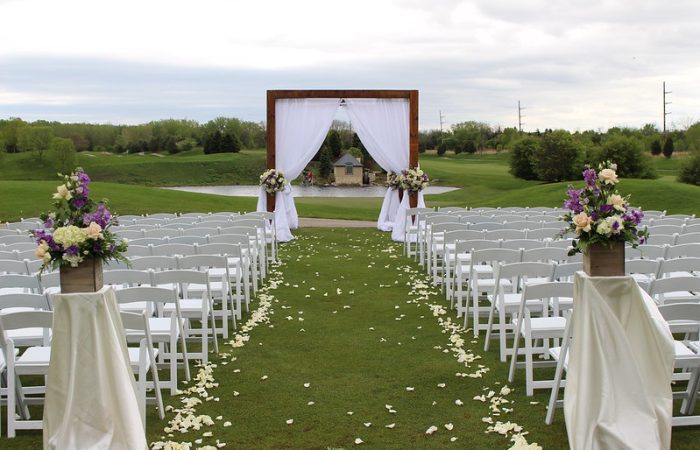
(397, 233)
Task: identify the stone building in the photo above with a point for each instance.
(348, 171)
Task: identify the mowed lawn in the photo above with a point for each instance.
(128, 182)
(352, 348)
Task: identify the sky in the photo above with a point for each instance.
(573, 64)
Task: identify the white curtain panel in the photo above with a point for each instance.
(399, 229)
(301, 127)
(383, 127)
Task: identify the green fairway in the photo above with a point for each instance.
(483, 181)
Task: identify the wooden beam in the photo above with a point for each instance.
(413, 139)
(341, 93)
(271, 144)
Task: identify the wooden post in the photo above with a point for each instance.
(271, 136)
(413, 140)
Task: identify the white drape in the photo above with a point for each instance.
(383, 127)
(397, 233)
(301, 127)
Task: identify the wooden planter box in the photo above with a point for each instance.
(87, 277)
(602, 261)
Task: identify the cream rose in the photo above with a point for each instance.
(42, 249)
(94, 231)
(62, 192)
(612, 220)
(608, 176)
(617, 202)
(582, 222)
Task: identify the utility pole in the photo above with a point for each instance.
(520, 117)
(441, 121)
(665, 103)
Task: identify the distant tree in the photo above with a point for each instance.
(469, 147)
(655, 147)
(557, 158)
(11, 130)
(690, 172)
(326, 164)
(212, 142)
(230, 143)
(334, 144)
(170, 145)
(442, 147)
(668, 147)
(35, 139)
(628, 154)
(62, 153)
(521, 158)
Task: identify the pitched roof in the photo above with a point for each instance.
(347, 159)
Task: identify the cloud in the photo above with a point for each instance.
(573, 64)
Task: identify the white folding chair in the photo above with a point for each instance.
(32, 361)
(166, 331)
(675, 290)
(142, 360)
(537, 328)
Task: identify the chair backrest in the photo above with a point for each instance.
(662, 239)
(525, 269)
(643, 266)
(160, 233)
(681, 314)
(182, 278)
(552, 289)
(20, 281)
(128, 277)
(188, 239)
(24, 226)
(521, 243)
(679, 265)
(139, 250)
(560, 243)
(451, 209)
(36, 301)
(168, 216)
(149, 221)
(202, 231)
(49, 280)
(13, 239)
(677, 251)
(156, 263)
(665, 229)
(202, 262)
(505, 234)
(240, 239)
(566, 270)
(24, 319)
(475, 219)
(130, 234)
(19, 246)
(6, 232)
(494, 255)
(543, 233)
(220, 249)
(149, 241)
(664, 285)
(439, 228)
(487, 226)
(688, 238)
(435, 217)
(214, 222)
(155, 295)
(647, 251)
(174, 249)
(692, 228)
(8, 254)
(524, 225)
(475, 244)
(462, 235)
(13, 266)
(545, 254)
(668, 220)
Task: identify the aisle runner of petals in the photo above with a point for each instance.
(186, 418)
(421, 291)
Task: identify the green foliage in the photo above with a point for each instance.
(230, 143)
(557, 158)
(468, 147)
(62, 153)
(628, 154)
(334, 144)
(442, 147)
(35, 139)
(326, 163)
(668, 147)
(655, 147)
(692, 138)
(521, 158)
(690, 173)
(356, 152)
(212, 142)
(10, 130)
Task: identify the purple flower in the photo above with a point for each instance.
(101, 216)
(634, 215)
(594, 216)
(591, 177)
(78, 202)
(96, 247)
(606, 208)
(72, 250)
(48, 223)
(574, 201)
(615, 225)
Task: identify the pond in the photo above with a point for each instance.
(305, 191)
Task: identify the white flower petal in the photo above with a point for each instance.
(290, 421)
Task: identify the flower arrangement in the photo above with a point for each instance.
(413, 180)
(393, 180)
(599, 214)
(78, 227)
(272, 181)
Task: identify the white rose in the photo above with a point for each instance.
(611, 221)
(617, 202)
(608, 176)
(603, 228)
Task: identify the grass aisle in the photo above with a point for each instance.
(351, 353)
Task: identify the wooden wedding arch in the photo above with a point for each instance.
(411, 95)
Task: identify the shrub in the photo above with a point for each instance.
(442, 147)
(655, 147)
(557, 158)
(469, 147)
(668, 147)
(521, 158)
(690, 173)
(628, 154)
